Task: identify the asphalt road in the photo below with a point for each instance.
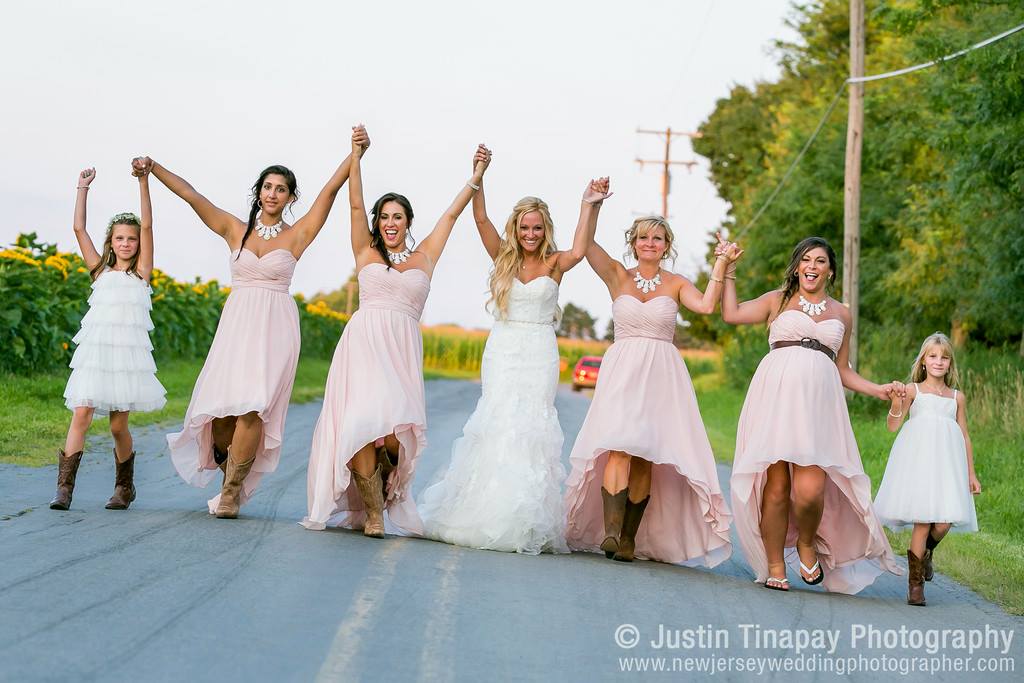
(165, 592)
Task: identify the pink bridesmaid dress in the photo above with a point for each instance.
(795, 411)
(250, 368)
(374, 388)
(644, 405)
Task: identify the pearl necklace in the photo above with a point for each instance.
(646, 285)
(811, 308)
(268, 232)
(399, 256)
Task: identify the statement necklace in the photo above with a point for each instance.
(399, 256)
(811, 308)
(646, 285)
(268, 232)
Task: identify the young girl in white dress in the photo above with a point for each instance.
(502, 488)
(929, 478)
(112, 367)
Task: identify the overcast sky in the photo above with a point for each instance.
(218, 91)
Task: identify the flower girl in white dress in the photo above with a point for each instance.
(930, 477)
(112, 367)
(502, 489)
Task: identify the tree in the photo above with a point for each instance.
(576, 323)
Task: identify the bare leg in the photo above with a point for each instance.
(918, 537)
(247, 436)
(808, 504)
(81, 419)
(639, 479)
(775, 517)
(616, 471)
(223, 432)
(939, 530)
(365, 460)
(123, 444)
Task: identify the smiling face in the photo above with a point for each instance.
(274, 195)
(124, 241)
(936, 361)
(814, 271)
(531, 232)
(393, 222)
(650, 247)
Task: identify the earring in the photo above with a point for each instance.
(259, 203)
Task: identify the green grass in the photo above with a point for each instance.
(990, 562)
(34, 421)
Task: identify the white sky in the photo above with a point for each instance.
(218, 91)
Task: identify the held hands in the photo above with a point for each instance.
(360, 141)
(893, 391)
(481, 160)
(86, 177)
(597, 191)
(730, 250)
(141, 166)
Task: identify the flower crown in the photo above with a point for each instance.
(126, 217)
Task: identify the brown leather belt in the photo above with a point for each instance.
(807, 343)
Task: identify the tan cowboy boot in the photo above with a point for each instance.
(614, 509)
(373, 499)
(67, 470)
(630, 525)
(915, 580)
(231, 492)
(124, 483)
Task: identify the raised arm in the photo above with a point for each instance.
(757, 310)
(488, 233)
(433, 244)
(216, 219)
(705, 303)
(590, 206)
(357, 208)
(144, 265)
(309, 226)
(85, 245)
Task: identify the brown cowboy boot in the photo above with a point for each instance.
(614, 509)
(124, 484)
(630, 525)
(373, 499)
(926, 559)
(915, 580)
(67, 470)
(387, 466)
(231, 491)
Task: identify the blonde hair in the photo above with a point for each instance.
(509, 260)
(917, 370)
(644, 225)
(107, 257)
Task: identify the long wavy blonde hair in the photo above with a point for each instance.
(917, 370)
(509, 260)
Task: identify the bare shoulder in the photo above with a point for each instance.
(842, 312)
(961, 400)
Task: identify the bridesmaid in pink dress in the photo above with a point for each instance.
(799, 492)
(235, 420)
(643, 444)
(372, 427)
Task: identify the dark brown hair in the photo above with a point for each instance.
(254, 210)
(376, 238)
(791, 282)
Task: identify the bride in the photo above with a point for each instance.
(502, 489)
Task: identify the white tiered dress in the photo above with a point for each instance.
(112, 367)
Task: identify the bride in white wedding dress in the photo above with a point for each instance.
(502, 488)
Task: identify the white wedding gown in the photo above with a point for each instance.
(502, 489)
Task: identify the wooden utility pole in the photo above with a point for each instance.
(851, 194)
(666, 178)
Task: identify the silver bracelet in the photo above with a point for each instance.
(892, 415)
(82, 187)
(472, 186)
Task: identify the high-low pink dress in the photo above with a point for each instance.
(644, 405)
(374, 388)
(795, 411)
(250, 368)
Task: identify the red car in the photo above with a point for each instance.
(585, 372)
